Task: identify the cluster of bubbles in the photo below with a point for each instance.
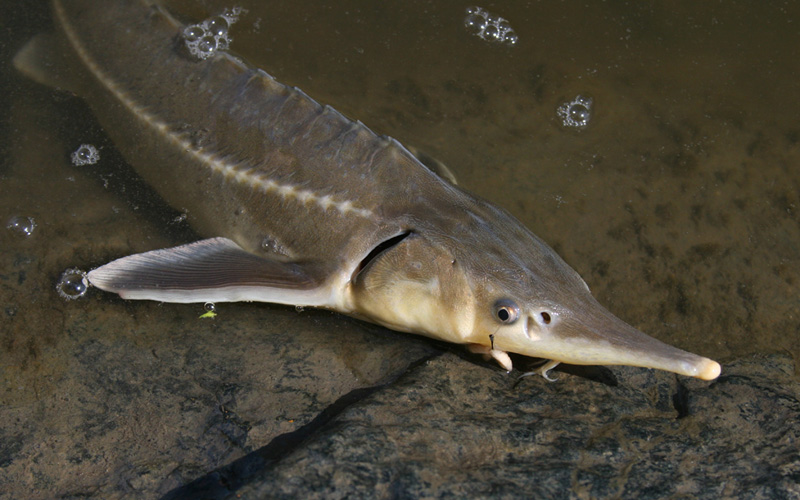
(207, 38)
(85, 155)
(21, 225)
(488, 27)
(576, 113)
(72, 284)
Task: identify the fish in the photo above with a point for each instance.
(300, 205)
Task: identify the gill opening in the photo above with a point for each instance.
(377, 251)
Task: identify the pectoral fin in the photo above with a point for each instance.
(212, 270)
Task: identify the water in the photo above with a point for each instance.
(678, 204)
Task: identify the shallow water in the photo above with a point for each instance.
(678, 203)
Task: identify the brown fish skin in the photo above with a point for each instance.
(304, 206)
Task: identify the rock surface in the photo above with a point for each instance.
(449, 429)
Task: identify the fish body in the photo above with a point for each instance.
(303, 206)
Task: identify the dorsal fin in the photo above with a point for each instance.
(433, 164)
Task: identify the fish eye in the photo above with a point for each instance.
(506, 311)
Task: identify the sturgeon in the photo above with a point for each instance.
(303, 206)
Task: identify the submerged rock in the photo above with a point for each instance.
(451, 429)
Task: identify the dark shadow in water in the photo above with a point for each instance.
(116, 175)
(226, 480)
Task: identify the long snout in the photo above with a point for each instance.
(590, 334)
(609, 340)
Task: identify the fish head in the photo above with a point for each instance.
(415, 285)
(533, 303)
(488, 280)
(576, 329)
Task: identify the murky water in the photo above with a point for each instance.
(678, 203)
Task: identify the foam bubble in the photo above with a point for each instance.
(21, 225)
(193, 33)
(72, 284)
(576, 113)
(86, 154)
(211, 36)
(218, 26)
(489, 27)
(475, 24)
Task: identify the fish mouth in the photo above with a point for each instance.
(591, 335)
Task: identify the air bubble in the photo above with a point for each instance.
(271, 245)
(180, 219)
(576, 113)
(211, 311)
(211, 36)
(232, 15)
(193, 33)
(475, 24)
(86, 154)
(491, 33)
(21, 225)
(207, 45)
(218, 26)
(489, 27)
(72, 284)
